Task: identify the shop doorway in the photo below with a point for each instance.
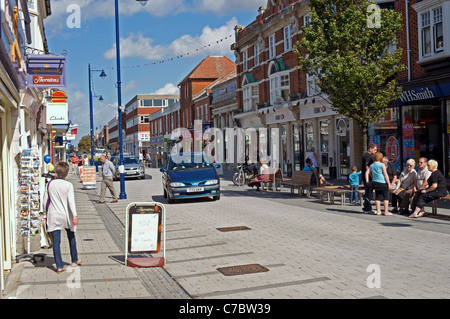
(343, 147)
(299, 152)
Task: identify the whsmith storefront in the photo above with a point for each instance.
(417, 125)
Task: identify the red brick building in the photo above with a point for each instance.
(206, 72)
(274, 94)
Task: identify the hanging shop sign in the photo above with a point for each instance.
(59, 97)
(46, 70)
(57, 113)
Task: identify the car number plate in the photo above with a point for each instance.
(195, 189)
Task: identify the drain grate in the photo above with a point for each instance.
(242, 270)
(234, 228)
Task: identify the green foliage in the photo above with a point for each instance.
(84, 145)
(352, 61)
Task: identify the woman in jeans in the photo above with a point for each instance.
(62, 214)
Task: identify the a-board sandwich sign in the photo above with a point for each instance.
(145, 230)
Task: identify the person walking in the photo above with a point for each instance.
(437, 188)
(74, 161)
(108, 171)
(62, 214)
(85, 161)
(367, 160)
(380, 183)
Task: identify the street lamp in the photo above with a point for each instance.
(102, 76)
(122, 194)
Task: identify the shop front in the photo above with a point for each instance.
(416, 126)
(327, 133)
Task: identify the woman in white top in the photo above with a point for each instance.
(62, 214)
(313, 156)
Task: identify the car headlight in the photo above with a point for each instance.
(141, 168)
(212, 182)
(176, 184)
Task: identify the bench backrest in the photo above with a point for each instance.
(305, 177)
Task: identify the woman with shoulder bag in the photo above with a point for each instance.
(62, 214)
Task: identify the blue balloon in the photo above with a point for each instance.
(47, 159)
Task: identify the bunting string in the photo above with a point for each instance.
(174, 58)
(192, 52)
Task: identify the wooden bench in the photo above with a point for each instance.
(330, 191)
(275, 174)
(435, 202)
(303, 181)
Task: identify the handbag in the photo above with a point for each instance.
(48, 198)
(398, 190)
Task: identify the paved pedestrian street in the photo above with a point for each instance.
(308, 250)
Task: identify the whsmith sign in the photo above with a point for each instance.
(417, 94)
(425, 93)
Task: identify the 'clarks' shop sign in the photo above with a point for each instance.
(46, 70)
(57, 113)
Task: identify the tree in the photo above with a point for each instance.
(347, 46)
(84, 145)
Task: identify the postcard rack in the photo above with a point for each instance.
(29, 219)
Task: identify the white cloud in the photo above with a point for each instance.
(224, 7)
(93, 9)
(211, 41)
(168, 88)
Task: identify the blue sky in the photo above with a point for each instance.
(152, 33)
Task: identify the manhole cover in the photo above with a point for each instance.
(235, 228)
(242, 269)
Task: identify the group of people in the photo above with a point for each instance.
(412, 188)
(78, 162)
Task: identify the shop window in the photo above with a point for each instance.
(272, 47)
(298, 149)
(309, 132)
(257, 52)
(279, 87)
(324, 145)
(421, 133)
(431, 31)
(245, 60)
(251, 97)
(287, 38)
(283, 148)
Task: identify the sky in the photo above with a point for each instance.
(150, 34)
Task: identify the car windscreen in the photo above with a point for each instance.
(130, 160)
(182, 163)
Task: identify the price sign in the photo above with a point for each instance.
(144, 227)
(144, 232)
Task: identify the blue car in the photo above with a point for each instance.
(190, 175)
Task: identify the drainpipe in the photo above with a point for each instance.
(408, 50)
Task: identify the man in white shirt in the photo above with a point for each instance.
(108, 171)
